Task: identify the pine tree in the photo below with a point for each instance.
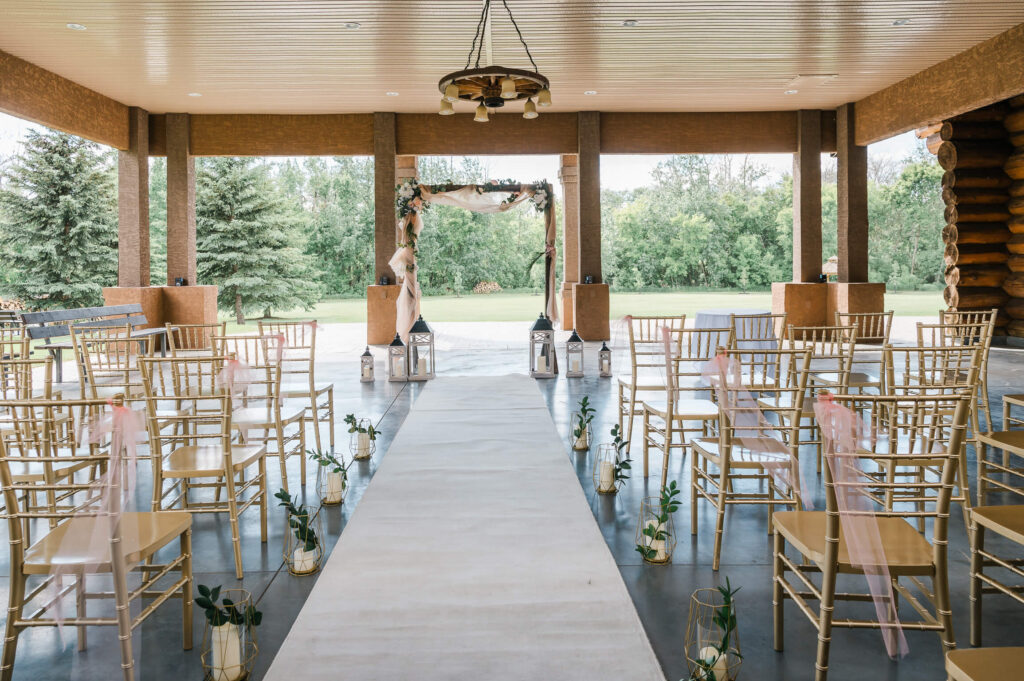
(248, 241)
(58, 222)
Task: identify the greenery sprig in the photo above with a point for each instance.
(586, 416)
(668, 505)
(298, 520)
(329, 460)
(225, 612)
(622, 460)
(725, 619)
(354, 427)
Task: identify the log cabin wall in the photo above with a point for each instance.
(982, 154)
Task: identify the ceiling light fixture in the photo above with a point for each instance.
(790, 92)
(630, 23)
(353, 25)
(195, 94)
(391, 94)
(76, 27)
(901, 22)
(590, 92)
(490, 86)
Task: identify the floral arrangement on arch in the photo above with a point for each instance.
(409, 194)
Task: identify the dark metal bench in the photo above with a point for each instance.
(54, 325)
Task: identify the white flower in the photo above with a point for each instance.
(406, 192)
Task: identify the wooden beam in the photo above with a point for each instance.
(385, 221)
(984, 74)
(282, 135)
(807, 198)
(133, 204)
(852, 198)
(181, 202)
(35, 94)
(505, 133)
(589, 174)
(707, 133)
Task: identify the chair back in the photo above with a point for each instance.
(751, 328)
(968, 316)
(646, 343)
(872, 327)
(193, 338)
(21, 379)
(106, 361)
(931, 370)
(831, 348)
(14, 343)
(966, 333)
(264, 357)
(298, 356)
(691, 350)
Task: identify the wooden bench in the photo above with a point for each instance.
(56, 325)
(9, 319)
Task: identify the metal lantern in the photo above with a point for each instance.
(542, 348)
(421, 351)
(303, 549)
(710, 649)
(229, 650)
(655, 533)
(574, 356)
(360, 444)
(366, 367)
(606, 469)
(396, 360)
(604, 361)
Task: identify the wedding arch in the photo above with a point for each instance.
(494, 197)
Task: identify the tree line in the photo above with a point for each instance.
(282, 235)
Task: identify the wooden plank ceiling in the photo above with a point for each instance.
(297, 56)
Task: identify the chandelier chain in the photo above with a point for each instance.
(519, 33)
(479, 35)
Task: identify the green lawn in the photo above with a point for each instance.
(498, 307)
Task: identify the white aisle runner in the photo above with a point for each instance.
(472, 555)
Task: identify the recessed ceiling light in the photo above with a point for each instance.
(195, 94)
(630, 23)
(590, 92)
(790, 92)
(353, 25)
(391, 94)
(76, 27)
(901, 22)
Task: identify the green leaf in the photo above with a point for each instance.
(203, 590)
(204, 602)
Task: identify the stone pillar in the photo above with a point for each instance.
(590, 301)
(853, 292)
(852, 195)
(568, 174)
(181, 201)
(381, 300)
(133, 203)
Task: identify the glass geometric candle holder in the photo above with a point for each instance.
(579, 433)
(359, 444)
(605, 469)
(655, 532)
(303, 550)
(229, 650)
(712, 641)
(331, 487)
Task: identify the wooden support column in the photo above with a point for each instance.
(381, 299)
(181, 201)
(807, 198)
(568, 174)
(852, 293)
(590, 301)
(133, 203)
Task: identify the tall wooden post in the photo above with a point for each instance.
(133, 203)
(807, 198)
(569, 176)
(381, 298)
(181, 201)
(590, 301)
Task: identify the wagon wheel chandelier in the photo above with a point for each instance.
(491, 86)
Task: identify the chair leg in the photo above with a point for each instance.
(977, 544)
(15, 605)
(330, 416)
(665, 454)
(185, 542)
(632, 415)
(124, 620)
(777, 592)
(720, 511)
(828, 602)
(694, 496)
(236, 543)
(302, 448)
(263, 499)
(943, 607)
(80, 601)
(647, 441)
(282, 457)
(316, 419)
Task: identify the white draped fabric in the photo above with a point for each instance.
(470, 197)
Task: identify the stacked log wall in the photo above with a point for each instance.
(1013, 285)
(976, 153)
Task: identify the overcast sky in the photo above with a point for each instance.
(617, 172)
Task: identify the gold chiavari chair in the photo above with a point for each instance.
(873, 328)
(687, 407)
(832, 349)
(984, 664)
(193, 339)
(748, 446)
(260, 406)
(1008, 440)
(299, 373)
(750, 329)
(910, 556)
(78, 520)
(106, 358)
(197, 453)
(647, 364)
(984, 318)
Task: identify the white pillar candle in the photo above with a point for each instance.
(607, 476)
(575, 365)
(363, 447)
(657, 544)
(303, 560)
(335, 487)
(542, 364)
(421, 367)
(581, 441)
(719, 662)
(366, 372)
(227, 653)
(397, 366)
(604, 366)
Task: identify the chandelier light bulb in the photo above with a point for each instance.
(481, 114)
(451, 93)
(508, 88)
(530, 109)
(446, 108)
(544, 97)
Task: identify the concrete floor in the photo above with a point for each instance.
(661, 593)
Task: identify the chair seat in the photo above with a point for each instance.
(649, 381)
(784, 402)
(208, 460)
(32, 471)
(302, 389)
(1004, 439)
(858, 379)
(142, 535)
(743, 456)
(684, 410)
(983, 664)
(906, 550)
(265, 417)
(1005, 520)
